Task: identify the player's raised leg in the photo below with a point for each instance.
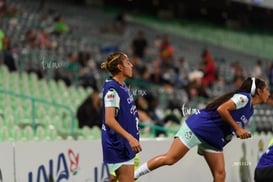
(175, 153)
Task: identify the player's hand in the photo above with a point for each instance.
(242, 133)
(135, 145)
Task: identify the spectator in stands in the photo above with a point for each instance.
(168, 74)
(257, 70)
(145, 77)
(47, 24)
(178, 81)
(138, 65)
(73, 68)
(139, 45)
(143, 113)
(89, 112)
(8, 57)
(234, 76)
(156, 76)
(60, 26)
(148, 115)
(174, 113)
(2, 36)
(166, 51)
(183, 71)
(237, 82)
(43, 40)
(210, 71)
(196, 88)
(30, 39)
(82, 59)
(237, 71)
(88, 72)
(153, 111)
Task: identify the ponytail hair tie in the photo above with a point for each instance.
(253, 87)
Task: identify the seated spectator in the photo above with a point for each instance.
(88, 72)
(60, 26)
(89, 112)
(47, 24)
(30, 39)
(142, 108)
(182, 71)
(154, 111)
(166, 51)
(195, 88)
(237, 71)
(73, 68)
(237, 82)
(156, 76)
(257, 70)
(43, 40)
(8, 57)
(174, 114)
(2, 36)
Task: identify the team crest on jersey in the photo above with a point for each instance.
(110, 96)
(242, 99)
(188, 135)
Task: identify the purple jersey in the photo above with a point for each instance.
(115, 147)
(212, 129)
(266, 159)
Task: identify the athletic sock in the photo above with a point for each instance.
(143, 169)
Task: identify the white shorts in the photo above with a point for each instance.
(115, 166)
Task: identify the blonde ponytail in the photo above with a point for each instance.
(103, 65)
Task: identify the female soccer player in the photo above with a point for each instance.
(120, 134)
(264, 168)
(212, 128)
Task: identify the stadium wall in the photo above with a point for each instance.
(81, 161)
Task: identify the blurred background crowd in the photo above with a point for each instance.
(175, 74)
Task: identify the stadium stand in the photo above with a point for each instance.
(38, 105)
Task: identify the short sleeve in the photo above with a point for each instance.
(111, 98)
(239, 100)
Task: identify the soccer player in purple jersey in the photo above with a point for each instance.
(213, 127)
(120, 132)
(264, 169)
